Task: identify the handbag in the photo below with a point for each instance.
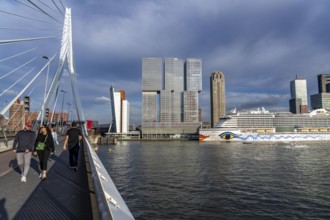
(41, 145)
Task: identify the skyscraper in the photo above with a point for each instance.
(120, 111)
(172, 93)
(152, 73)
(324, 83)
(174, 74)
(190, 106)
(322, 99)
(193, 75)
(298, 101)
(218, 98)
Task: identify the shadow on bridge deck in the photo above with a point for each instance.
(65, 194)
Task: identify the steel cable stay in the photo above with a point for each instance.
(7, 74)
(35, 5)
(25, 29)
(57, 7)
(6, 108)
(19, 122)
(18, 54)
(62, 5)
(33, 8)
(3, 42)
(49, 7)
(21, 16)
(6, 90)
(12, 116)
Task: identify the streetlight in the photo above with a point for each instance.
(62, 109)
(43, 104)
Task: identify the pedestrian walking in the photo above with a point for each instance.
(23, 147)
(54, 134)
(43, 146)
(72, 141)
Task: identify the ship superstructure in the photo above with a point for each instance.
(264, 125)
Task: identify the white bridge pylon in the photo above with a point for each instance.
(65, 58)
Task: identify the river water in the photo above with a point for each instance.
(193, 180)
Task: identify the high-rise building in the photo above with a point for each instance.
(120, 111)
(324, 83)
(172, 99)
(152, 83)
(152, 72)
(193, 74)
(191, 106)
(218, 98)
(298, 88)
(149, 107)
(322, 99)
(174, 74)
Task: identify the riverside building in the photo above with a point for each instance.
(322, 99)
(170, 97)
(298, 102)
(218, 97)
(120, 111)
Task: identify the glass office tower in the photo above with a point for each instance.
(193, 74)
(170, 88)
(152, 71)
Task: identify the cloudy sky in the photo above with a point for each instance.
(260, 46)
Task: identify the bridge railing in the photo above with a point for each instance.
(110, 203)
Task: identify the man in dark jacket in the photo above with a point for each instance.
(23, 147)
(72, 140)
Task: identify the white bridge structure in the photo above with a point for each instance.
(45, 83)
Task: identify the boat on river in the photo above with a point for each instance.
(264, 126)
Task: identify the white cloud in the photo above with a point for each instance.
(103, 99)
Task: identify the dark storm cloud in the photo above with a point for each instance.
(259, 45)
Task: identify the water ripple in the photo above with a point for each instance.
(192, 180)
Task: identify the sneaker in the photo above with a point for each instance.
(40, 175)
(75, 169)
(23, 179)
(44, 177)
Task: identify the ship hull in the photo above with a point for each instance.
(230, 135)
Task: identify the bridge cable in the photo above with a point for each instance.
(44, 11)
(16, 55)
(6, 90)
(5, 12)
(62, 4)
(25, 39)
(26, 29)
(48, 7)
(18, 68)
(57, 8)
(22, 91)
(12, 116)
(26, 5)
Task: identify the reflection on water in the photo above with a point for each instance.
(192, 180)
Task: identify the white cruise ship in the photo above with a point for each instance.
(261, 125)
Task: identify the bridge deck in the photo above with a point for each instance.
(65, 194)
